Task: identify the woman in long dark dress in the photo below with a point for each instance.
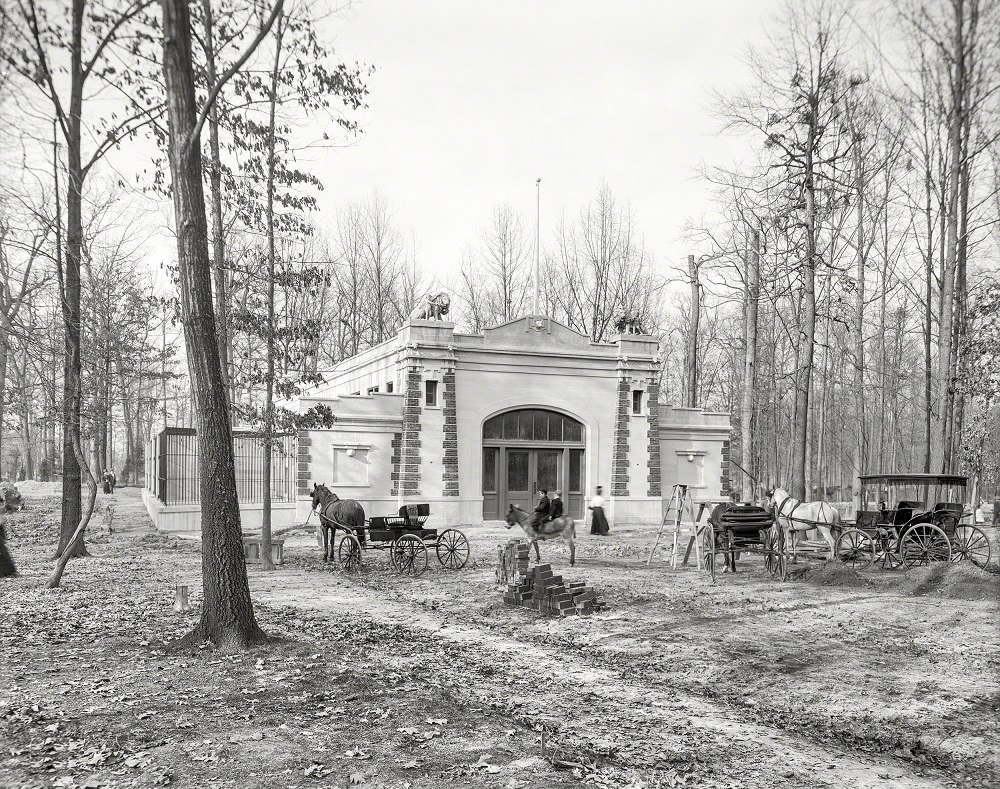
(598, 521)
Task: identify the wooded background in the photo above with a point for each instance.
(840, 300)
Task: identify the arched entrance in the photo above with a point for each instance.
(527, 449)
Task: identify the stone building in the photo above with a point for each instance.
(472, 423)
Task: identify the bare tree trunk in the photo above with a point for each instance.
(959, 93)
(72, 473)
(215, 196)
(860, 444)
(67, 553)
(692, 349)
(265, 527)
(749, 364)
(807, 334)
(227, 616)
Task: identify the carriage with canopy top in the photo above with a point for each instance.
(907, 520)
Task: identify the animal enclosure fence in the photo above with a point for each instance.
(172, 467)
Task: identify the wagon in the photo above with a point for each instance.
(406, 539)
(907, 520)
(734, 529)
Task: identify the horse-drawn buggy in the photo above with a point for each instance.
(907, 520)
(735, 529)
(403, 535)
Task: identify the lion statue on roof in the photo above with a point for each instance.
(432, 307)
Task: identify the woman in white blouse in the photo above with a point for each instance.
(598, 521)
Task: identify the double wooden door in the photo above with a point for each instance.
(527, 471)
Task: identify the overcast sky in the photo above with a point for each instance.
(474, 100)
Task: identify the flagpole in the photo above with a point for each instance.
(538, 225)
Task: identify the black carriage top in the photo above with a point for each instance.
(916, 479)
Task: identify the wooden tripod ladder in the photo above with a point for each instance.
(680, 505)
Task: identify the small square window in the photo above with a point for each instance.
(372, 390)
(637, 401)
(389, 386)
(430, 393)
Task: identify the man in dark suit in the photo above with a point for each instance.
(556, 506)
(541, 512)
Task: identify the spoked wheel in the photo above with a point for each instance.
(767, 546)
(924, 543)
(349, 553)
(409, 555)
(887, 556)
(708, 550)
(775, 561)
(855, 548)
(452, 549)
(970, 543)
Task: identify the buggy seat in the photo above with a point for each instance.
(410, 520)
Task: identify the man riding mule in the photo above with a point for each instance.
(540, 514)
(560, 528)
(336, 513)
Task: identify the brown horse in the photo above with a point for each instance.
(561, 528)
(335, 513)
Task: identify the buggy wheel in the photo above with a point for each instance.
(409, 555)
(778, 564)
(970, 543)
(349, 553)
(767, 548)
(708, 550)
(452, 549)
(887, 556)
(855, 548)
(924, 543)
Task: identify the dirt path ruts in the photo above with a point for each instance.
(772, 750)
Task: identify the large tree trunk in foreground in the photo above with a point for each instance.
(72, 473)
(88, 510)
(227, 617)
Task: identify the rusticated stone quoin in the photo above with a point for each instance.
(619, 457)
(304, 459)
(653, 403)
(450, 474)
(406, 473)
(724, 479)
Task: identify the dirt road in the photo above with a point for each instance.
(832, 681)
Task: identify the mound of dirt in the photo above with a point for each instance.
(960, 581)
(835, 574)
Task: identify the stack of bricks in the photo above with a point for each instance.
(548, 593)
(513, 562)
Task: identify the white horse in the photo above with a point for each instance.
(795, 516)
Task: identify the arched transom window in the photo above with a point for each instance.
(534, 425)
